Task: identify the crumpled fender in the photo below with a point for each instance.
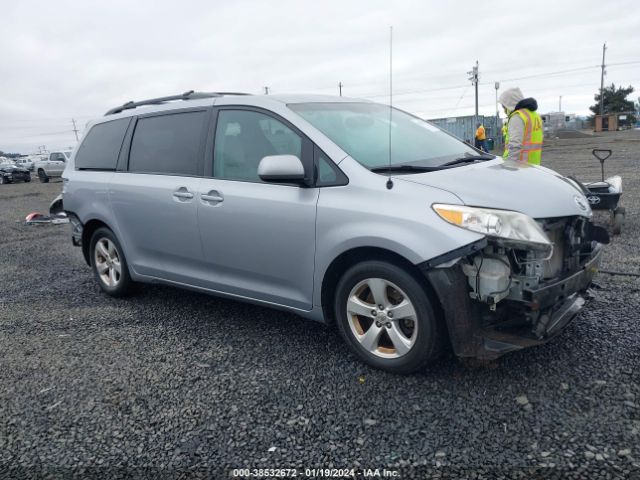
(56, 206)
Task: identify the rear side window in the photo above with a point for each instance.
(101, 146)
(167, 144)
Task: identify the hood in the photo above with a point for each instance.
(535, 191)
(510, 98)
(12, 168)
(528, 103)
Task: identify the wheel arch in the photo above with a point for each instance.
(356, 255)
(87, 232)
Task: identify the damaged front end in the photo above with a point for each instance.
(503, 295)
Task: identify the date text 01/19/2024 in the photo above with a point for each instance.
(313, 473)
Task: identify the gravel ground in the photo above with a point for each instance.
(171, 382)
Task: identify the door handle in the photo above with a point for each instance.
(183, 194)
(212, 196)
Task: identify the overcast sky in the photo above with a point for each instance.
(62, 60)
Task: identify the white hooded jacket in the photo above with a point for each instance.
(510, 99)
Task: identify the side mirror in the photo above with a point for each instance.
(281, 169)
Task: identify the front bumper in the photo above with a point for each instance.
(479, 332)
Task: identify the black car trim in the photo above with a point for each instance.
(463, 251)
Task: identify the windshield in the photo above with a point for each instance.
(362, 131)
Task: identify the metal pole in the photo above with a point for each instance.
(560, 104)
(604, 49)
(340, 87)
(475, 81)
(498, 135)
(75, 129)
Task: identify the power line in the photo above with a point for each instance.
(525, 77)
(65, 132)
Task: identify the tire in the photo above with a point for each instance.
(107, 258)
(43, 176)
(418, 336)
(617, 222)
(28, 179)
(3, 180)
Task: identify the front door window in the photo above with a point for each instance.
(244, 137)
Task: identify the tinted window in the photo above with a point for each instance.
(167, 144)
(244, 137)
(101, 147)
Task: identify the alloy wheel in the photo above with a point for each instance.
(107, 262)
(382, 318)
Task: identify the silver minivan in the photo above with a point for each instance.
(344, 211)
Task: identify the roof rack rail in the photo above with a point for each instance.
(190, 95)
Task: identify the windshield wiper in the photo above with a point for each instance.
(404, 168)
(422, 168)
(469, 158)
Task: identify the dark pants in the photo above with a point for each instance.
(482, 145)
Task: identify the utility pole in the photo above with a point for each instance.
(75, 129)
(474, 81)
(266, 90)
(604, 49)
(560, 104)
(340, 85)
(498, 137)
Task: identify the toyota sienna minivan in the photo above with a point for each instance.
(344, 211)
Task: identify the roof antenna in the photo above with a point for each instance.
(389, 181)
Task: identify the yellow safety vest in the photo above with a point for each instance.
(531, 149)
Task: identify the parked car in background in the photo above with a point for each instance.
(26, 162)
(300, 202)
(52, 165)
(10, 173)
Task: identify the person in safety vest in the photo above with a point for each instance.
(523, 142)
(481, 138)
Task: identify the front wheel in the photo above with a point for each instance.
(109, 264)
(3, 180)
(43, 176)
(385, 316)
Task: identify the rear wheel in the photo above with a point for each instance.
(386, 317)
(43, 176)
(109, 264)
(617, 220)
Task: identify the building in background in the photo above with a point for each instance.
(611, 122)
(555, 121)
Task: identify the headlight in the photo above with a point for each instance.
(514, 227)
